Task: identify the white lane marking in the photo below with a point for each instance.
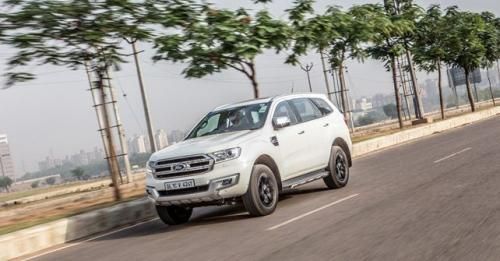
(89, 239)
(311, 212)
(452, 155)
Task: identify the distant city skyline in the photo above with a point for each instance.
(7, 168)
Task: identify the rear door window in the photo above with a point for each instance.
(323, 106)
(305, 109)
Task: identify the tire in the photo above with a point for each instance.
(174, 215)
(262, 195)
(338, 168)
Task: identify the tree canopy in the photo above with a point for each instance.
(213, 40)
(68, 33)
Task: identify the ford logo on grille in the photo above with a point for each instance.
(179, 167)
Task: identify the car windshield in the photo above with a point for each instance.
(249, 117)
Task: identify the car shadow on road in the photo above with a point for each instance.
(205, 216)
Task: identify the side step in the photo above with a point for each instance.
(303, 179)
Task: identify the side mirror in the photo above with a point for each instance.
(281, 122)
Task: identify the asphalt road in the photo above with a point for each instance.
(434, 199)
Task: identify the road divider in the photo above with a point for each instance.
(37, 238)
(31, 240)
(409, 135)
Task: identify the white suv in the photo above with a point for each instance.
(249, 152)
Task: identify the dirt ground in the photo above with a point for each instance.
(23, 216)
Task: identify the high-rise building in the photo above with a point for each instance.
(137, 144)
(161, 139)
(176, 136)
(6, 163)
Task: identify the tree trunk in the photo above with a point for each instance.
(328, 92)
(113, 161)
(253, 79)
(469, 91)
(343, 96)
(491, 88)
(396, 91)
(440, 87)
(498, 69)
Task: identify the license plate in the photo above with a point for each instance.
(179, 184)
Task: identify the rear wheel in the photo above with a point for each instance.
(338, 167)
(174, 215)
(262, 194)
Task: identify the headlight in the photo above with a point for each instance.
(149, 167)
(224, 155)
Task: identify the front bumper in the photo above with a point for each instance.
(226, 180)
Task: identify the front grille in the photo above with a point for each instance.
(183, 191)
(182, 166)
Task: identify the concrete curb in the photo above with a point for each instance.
(30, 240)
(375, 144)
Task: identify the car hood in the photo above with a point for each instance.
(203, 145)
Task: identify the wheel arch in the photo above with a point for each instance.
(343, 144)
(269, 162)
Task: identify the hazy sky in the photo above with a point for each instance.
(54, 113)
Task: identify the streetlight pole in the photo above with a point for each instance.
(145, 102)
(307, 69)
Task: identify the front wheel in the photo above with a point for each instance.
(262, 194)
(338, 168)
(174, 215)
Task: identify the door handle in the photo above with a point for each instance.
(301, 132)
(326, 125)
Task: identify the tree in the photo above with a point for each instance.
(370, 118)
(430, 43)
(315, 32)
(338, 33)
(78, 173)
(211, 40)
(410, 12)
(50, 181)
(71, 34)
(490, 40)
(35, 184)
(387, 45)
(6, 183)
(464, 47)
(390, 110)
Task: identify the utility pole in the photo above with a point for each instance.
(115, 167)
(475, 86)
(145, 102)
(491, 89)
(452, 85)
(307, 69)
(419, 108)
(335, 86)
(325, 74)
(121, 131)
(98, 113)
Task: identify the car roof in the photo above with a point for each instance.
(270, 99)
